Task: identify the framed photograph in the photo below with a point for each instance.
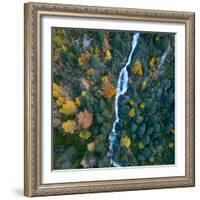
(109, 99)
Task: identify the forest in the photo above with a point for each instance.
(85, 68)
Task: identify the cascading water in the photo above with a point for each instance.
(160, 71)
(122, 86)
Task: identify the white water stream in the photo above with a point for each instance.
(122, 86)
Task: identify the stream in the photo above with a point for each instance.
(122, 86)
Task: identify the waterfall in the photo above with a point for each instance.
(160, 71)
(122, 86)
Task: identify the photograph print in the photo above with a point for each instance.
(113, 98)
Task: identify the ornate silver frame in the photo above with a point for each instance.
(32, 115)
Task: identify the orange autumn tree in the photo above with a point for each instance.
(85, 119)
(108, 89)
(84, 58)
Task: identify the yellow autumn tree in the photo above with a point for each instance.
(69, 107)
(137, 68)
(85, 135)
(69, 126)
(125, 141)
(59, 94)
(152, 62)
(106, 49)
(91, 146)
(132, 112)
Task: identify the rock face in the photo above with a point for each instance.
(86, 67)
